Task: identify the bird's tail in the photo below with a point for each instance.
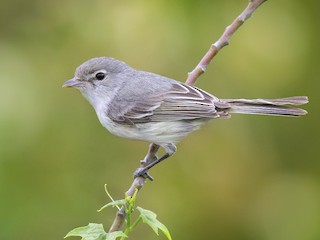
(278, 107)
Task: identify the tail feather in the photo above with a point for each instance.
(268, 106)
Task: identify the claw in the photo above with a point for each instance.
(142, 172)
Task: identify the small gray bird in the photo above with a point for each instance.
(145, 106)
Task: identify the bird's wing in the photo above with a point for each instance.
(180, 102)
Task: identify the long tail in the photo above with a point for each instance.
(268, 106)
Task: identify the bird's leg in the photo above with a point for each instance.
(151, 155)
(149, 158)
(143, 172)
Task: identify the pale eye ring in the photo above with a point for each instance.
(100, 75)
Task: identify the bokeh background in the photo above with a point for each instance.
(249, 177)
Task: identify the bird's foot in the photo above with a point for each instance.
(142, 172)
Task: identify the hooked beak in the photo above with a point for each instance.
(73, 82)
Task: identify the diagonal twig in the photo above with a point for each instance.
(222, 41)
(138, 182)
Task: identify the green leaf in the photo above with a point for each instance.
(115, 235)
(150, 218)
(120, 202)
(93, 231)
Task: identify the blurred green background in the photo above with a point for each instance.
(249, 177)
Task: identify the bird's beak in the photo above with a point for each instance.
(73, 82)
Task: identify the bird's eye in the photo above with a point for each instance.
(100, 75)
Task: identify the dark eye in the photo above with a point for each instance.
(100, 75)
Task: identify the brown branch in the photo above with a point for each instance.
(138, 182)
(222, 41)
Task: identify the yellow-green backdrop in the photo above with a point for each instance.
(248, 177)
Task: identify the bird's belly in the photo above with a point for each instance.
(155, 132)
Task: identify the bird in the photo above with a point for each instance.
(145, 106)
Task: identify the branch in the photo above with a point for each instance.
(138, 182)
(222, 41)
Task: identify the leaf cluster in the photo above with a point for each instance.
(95, 231)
